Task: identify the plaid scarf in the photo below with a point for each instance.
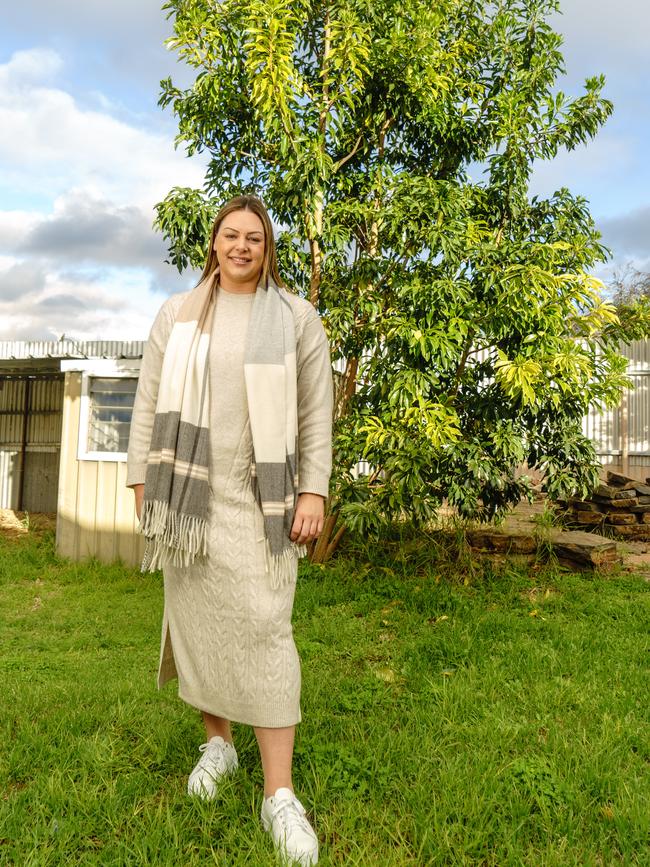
(176, 491)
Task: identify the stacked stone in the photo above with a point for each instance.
(622, 506)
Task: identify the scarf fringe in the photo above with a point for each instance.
(171, 537)
(281, 566)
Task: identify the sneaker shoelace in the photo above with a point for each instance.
(291, 814)
(212, 759)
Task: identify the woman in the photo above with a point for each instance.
(230, 459)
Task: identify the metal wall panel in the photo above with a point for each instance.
(45, 412)
(604, 429)
(622, 435)
(639, 354)
(638, 404)
(12, 401)
(42, 441)
(9, 478)
(41, 480)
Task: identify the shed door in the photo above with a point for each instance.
(31, 411)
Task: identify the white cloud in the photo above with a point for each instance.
(49, 143)
(91, 265)
(42, 306)
(20, 281)
(14, 226)
(115, 47)
(29, 67)
(84, 227)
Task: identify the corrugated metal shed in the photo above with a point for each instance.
(31, 411)
(18, 350)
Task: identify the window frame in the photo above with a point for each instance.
(100, 369)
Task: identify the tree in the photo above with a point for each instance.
(630, 285)
(473, 335)
(631, 300)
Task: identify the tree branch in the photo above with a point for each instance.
(343, 160)
(462, 362)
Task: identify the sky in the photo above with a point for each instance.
(86, 152)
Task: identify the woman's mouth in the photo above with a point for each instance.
(238, 261)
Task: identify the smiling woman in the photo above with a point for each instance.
(231, 436)
(239, 247)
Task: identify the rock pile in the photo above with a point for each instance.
(619, 508)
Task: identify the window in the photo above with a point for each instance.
(110, 405)
(105, 410)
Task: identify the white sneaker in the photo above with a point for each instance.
(219, 758)
(283, 816)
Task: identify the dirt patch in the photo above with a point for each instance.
(17, 524)
(636, 557)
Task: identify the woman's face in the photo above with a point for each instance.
(239, 244)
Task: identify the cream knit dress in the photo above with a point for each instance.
(226, 634)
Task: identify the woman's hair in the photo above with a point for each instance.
(246, 203)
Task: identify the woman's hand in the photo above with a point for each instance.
(138, 490)
(308, 519)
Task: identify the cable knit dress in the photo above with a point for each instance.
(226, 634)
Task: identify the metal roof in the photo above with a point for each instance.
(11, 350)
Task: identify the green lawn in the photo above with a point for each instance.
(500, 722)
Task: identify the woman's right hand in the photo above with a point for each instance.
(138, 490)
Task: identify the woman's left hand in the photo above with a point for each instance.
(308, 519)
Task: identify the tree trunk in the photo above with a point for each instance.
(322, 548)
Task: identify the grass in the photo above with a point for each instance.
(452, 719)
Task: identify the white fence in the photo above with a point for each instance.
(621, 435)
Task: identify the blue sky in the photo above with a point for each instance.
(85, 153)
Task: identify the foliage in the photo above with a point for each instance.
(472, 334)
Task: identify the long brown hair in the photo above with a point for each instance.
(270, 263)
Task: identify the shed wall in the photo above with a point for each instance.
(96, 513)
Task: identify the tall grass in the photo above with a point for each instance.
(451, 716)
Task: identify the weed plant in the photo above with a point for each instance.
(452, 715)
